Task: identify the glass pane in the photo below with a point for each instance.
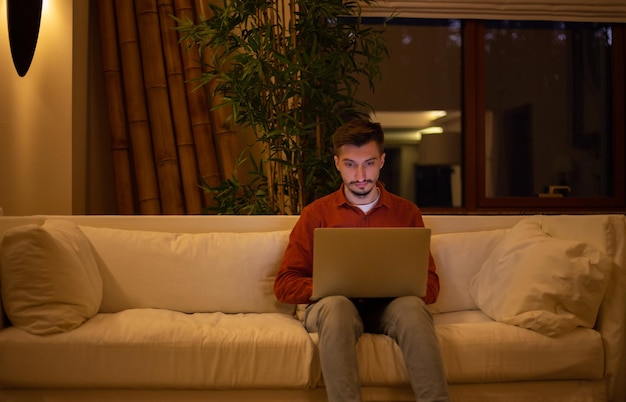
(418, 103)
(548, 121)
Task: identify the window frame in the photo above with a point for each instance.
(473, 166)
(474, 131)
(474, 198)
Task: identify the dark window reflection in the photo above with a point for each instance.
(418, 103)
(548, 104)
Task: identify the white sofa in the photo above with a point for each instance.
(181, 308)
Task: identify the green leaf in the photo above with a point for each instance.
(291, 83)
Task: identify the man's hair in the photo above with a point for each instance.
(358, 132)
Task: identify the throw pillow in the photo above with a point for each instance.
(50, 280)
(542, 283)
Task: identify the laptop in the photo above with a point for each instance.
(370, 262)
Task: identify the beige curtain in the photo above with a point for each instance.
(162, 128)
(555, 10)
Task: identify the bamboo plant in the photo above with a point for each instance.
(289, 70)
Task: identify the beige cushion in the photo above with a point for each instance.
(491, 352)
(50, 280)
(160, 349)
(189, 272)
(476, 349)
(459, 256)
(540, 282)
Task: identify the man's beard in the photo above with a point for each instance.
(361, 193)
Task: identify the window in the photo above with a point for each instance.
(530, 115)
(419, 104)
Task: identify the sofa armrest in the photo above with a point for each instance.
(612, 314)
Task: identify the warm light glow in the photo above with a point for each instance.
(37, 112)
(409, 120)
(417, 135)
(436, 114)
(431, 130)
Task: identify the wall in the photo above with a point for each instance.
(47, 134)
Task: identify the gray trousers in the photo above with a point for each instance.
(340, 321)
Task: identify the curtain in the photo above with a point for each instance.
(555, 10)
(165, 139)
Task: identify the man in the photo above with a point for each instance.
(361, 201)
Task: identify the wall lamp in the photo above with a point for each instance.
(24, 18)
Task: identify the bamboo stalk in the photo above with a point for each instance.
(284, 173)
(295, 197)
(199, 113)
(155, 83)
(147, 188)
(180, 111)
(120, 150)
(201, 9)
(224, 132)
(271, 168)
(269, 173)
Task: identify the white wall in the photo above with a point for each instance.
(45, 134)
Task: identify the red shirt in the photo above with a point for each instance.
(293, 282)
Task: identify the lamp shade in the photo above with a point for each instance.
(24, 18)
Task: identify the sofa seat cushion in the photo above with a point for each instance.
(150, 348)
(477, 349)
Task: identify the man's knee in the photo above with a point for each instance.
(335, 313)
(408, 308)
(340, 304)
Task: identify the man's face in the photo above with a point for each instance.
(360, 168)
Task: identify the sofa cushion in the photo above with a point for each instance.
(540, 282)
(476, 349)
(189, 272)
(50, 280)
(459, 256)
(162, 349)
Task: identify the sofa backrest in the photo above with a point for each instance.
(190, 272)
(460, 245)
